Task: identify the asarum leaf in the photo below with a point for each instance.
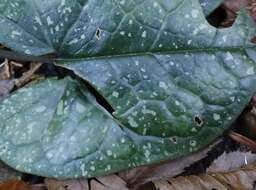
(55, 128)
(175, 83)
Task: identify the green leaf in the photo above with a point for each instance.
(210, 5)
(67, 134)
(96, 28)
(56, 129)
(175, 82)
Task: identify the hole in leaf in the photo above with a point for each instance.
(174, 140)
(98, 34)
(253, 40)
(198, 121)
(217, 17)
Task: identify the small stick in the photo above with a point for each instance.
(242, 140)
(26, 76)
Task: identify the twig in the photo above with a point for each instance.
(27, 76)
(242, 140)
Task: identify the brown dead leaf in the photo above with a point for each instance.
(5, 87)
(79, 184)
(240, 179)
(5, 70)
(233, 6)
(243, 140)
(38, 187)
(14, 185)
(112, 182)
(231, 161)
(7, 173)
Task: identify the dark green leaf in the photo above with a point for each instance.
(67, 134)
(175, 82)
(95, 28)
(55, 128)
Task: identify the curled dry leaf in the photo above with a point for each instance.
(14, 185)
(7, 173)
(239, 179)
(4, 70)
(112, 182)
(232, 7)
(78, 184)
(231, 161)
(243, 140)
(5, 87)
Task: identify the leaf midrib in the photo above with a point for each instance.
(181, 51)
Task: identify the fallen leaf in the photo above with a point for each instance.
(112, 182)
(243, 140)
(233, 6)
(236, 5)
(38, 187)
(173, 89)
(231, 161)
(4, 70)
(240, 179)
(14, 185)
(5, 87)
(7, 173)
(79, 184)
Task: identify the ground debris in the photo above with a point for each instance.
(239, 179)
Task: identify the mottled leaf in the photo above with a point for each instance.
(175, 83)
(55, 128)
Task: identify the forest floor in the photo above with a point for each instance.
(229, 164)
